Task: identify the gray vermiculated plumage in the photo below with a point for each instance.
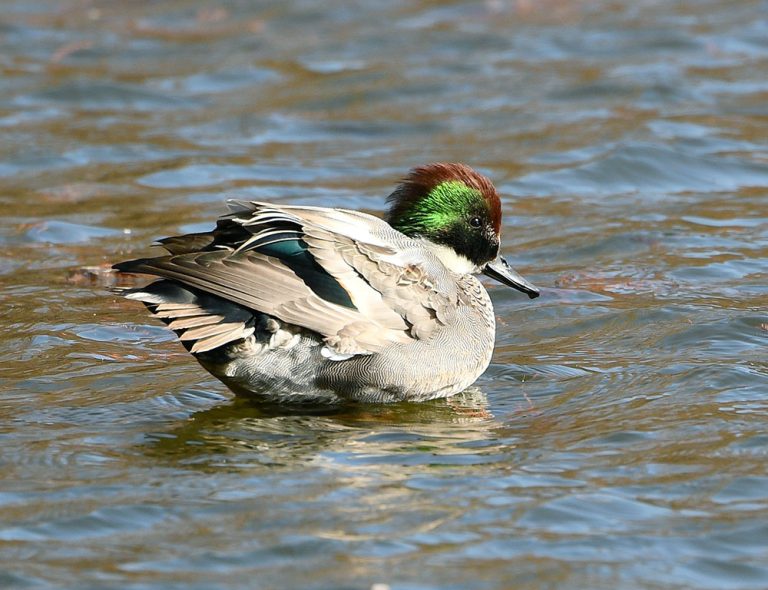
(298, 303)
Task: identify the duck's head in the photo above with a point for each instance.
(458, 211)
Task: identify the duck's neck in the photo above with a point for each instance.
(451, 259)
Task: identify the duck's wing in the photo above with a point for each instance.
(343, 274)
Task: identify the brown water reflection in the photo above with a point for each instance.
(618, 439)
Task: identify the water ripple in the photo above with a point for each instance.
(616, 441)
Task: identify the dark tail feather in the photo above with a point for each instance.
(187, 243)
(202, 322)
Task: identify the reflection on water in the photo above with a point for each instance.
(282, 435)
(618, 438)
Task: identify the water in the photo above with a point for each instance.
(619, 438)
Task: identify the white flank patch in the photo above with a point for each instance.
(283, 339)
(332, 355)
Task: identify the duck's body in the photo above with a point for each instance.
(301, 303)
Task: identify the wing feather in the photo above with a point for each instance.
(251, 260)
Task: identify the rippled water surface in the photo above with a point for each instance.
(618, 439)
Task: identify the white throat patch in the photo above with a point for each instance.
(452, 260)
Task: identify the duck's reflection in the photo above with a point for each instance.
(246, 431)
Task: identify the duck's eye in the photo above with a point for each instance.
(476, 222)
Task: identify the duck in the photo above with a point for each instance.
(294, 303)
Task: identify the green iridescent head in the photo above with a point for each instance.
(451, 205)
